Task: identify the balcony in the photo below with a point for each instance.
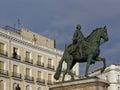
(40, 64)
(28, 60)
(3, 73)
(16, 75)
(16, 56)
(3, 52)
(40, 81)
(49, 82)
(49, 66)
(29, 78)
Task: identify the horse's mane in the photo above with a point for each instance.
(92, 33)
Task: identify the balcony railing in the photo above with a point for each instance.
(40, 63)
(40, 81)
(16, 75)
(16, 56)
(3, 52)
(50, 82)
(28, 60)
(50, 66)
(29, 78)
(4, 72)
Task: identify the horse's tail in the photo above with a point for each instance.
(59, 69)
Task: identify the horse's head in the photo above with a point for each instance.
(97, 35)
(103, 33)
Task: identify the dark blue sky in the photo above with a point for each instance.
(57, 19)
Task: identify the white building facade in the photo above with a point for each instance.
(111, 74)
(28, 59)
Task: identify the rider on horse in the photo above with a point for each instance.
(78, 39)
(79, 42)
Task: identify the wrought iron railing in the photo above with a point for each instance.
(40, 81)
(40, 63)
(3, 72)
(16, 75)
(3, 52)
(28, 60)
(50, 66)
(29, 78)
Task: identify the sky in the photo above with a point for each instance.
(57, 19)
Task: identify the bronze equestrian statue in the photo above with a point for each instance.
(83, 50)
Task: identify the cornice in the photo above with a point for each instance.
(30, 44)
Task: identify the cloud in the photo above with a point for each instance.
(57, 19)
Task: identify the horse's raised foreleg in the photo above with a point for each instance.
(88, 64)
(104, 62)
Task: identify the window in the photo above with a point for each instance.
(39, 58)
(14, 68)
(39, 74)
(1, 48)
(2, 69)
(27, 55)
(49, 61)
(2, 85)
(14, 86)
(50, 66)
(28, 58)
(28, 76)
(27, 72)
(40, 80)
(1, 65)
(27, 87)
(39, 88)
(39, 61)
(50, 79)
(118, 78)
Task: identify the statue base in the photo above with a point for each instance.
(92, 83)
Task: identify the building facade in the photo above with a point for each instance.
(28, 59)
(111, 74)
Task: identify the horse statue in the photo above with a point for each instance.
(90, 53)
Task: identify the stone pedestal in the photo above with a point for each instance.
(92, 83)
